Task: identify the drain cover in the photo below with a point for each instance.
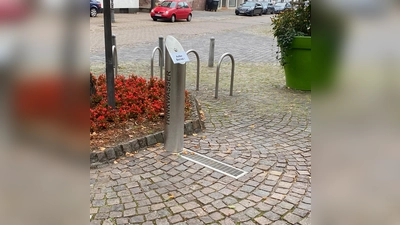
(212, 164)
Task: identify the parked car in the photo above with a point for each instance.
(282, 6)
(95, 8)
(268, 7)
(172, 10)
(249, 8)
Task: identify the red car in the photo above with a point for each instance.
(172, 10)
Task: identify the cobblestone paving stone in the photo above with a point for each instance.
(264, 129)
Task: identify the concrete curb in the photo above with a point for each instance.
(195, 125)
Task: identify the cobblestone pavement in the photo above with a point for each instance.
(264, 129)
(136, 42)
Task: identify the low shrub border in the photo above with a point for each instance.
(135, 98)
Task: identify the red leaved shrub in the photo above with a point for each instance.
(136, 99)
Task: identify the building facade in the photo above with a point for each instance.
(125, 6)
(145, 5)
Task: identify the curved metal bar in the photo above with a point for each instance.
(115, 59)
(232, 74)
(152, 61)
(198, 67)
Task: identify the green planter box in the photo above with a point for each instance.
(298, 69)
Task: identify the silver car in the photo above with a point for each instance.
(282, 6)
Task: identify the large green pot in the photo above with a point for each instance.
(298, 69)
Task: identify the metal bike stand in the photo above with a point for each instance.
(198, 67)
(115, 59)
(152, 62)
(232, 74)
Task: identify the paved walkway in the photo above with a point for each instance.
(264, 129)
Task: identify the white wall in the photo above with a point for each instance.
(132, 4)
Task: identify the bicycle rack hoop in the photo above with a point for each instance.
(232, 73)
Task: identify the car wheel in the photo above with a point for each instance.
(260, 13)
(173, 18)
(237, 13)
(252, 13)
(93, 12)
(154, 19)
(189, 18)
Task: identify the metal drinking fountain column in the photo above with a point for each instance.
(175, 78)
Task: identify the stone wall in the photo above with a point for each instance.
(197, 4)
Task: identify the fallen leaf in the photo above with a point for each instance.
(185, 152)
(128, 154)
(184, 135)
(239, 145)
(196, 146)
(231, 206)
(194, 134)
(171, 196)
(193, 154)
(204, 137)
(158, 144)
(265, 198)
(228, 151)
(131, 136)
(115, 162)
(102, 148)
(252, 126)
